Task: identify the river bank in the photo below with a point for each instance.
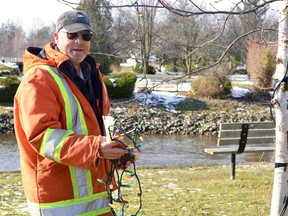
(203, 117)
(160, 122)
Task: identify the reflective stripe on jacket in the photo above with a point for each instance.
(95, 205)
(84, 200)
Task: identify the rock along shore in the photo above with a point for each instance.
(202, 122)
(7, 122)
(159, 121)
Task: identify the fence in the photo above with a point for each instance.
(11, 59)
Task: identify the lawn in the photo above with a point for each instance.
(179, 191)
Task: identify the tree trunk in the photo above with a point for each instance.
(280, 185)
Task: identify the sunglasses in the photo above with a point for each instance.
(74, 35)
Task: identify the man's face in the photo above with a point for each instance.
(75, 45)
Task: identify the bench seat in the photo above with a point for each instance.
(233, 149)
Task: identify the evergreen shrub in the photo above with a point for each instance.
(8, 88)
(139, 69)
(120, 85)
(261, 66)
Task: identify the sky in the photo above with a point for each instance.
(31, 13)
(36, 13)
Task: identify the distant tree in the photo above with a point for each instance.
(166, 47)
(146, 25)
(41, 36)
(178, 38)
(124, 30)
(101, 21)
(12, 40)
(19, 42)
(238, 25)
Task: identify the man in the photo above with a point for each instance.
(58, 111)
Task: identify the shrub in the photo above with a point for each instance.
(8, 88)
(212, 85)
(120, 85)
(261, 65)
(4, 73)
(8, 70)
(242, 71)
(105, 63)
(171, 68)
(139, 69)
(127, 69)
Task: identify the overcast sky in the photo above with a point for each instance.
(36, 13)
(31, 13)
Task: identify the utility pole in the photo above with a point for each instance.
(279, 101)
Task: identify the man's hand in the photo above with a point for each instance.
(111, 149)
(125, 161)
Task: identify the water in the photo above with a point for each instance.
(167, 150)
(159, 150)
(9, 153)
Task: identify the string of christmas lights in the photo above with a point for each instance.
(132, 141)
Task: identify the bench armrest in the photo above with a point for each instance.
(243, 138)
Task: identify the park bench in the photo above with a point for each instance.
(243, 137)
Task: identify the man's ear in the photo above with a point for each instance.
(56, 35)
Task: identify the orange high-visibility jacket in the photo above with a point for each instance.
(58, 137)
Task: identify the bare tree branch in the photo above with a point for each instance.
(218, 36)
(74, 5)
(172, 9)
(202, 12)
(215, 63)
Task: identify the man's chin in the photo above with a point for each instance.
(76, 61)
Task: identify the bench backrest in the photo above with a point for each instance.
(258, 133)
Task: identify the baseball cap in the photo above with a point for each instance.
(73, 21)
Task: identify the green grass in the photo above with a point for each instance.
(2, 110)
(184, 190)
(241, 85)
(12, 200)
